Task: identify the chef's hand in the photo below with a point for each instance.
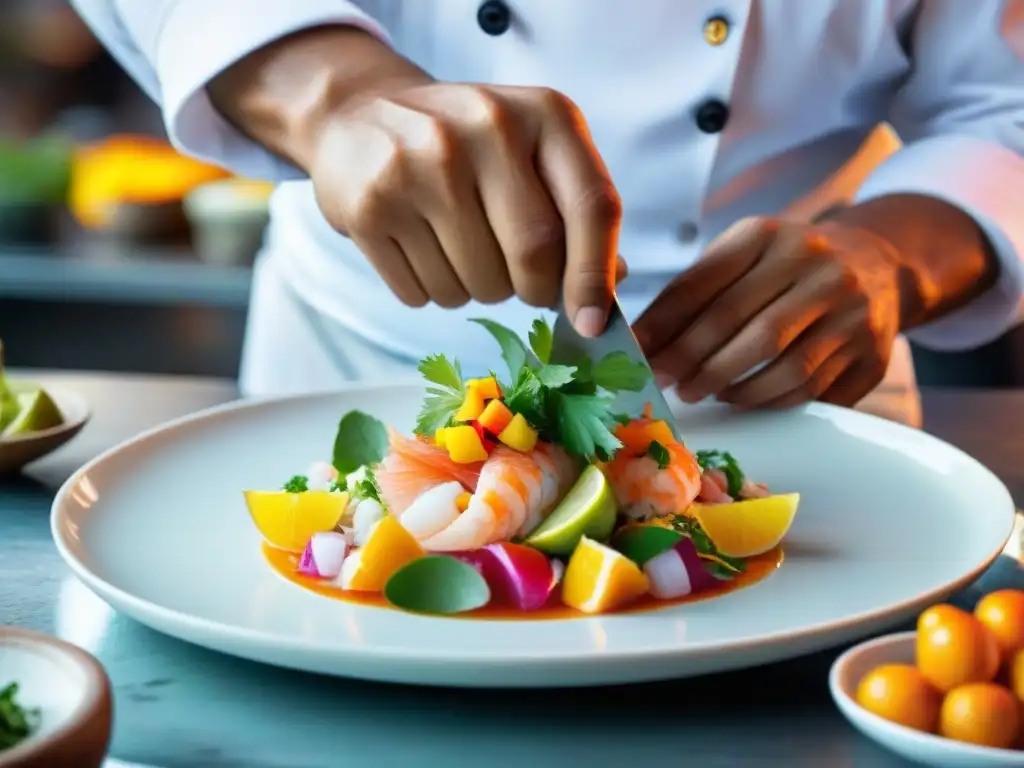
(457, 192)
(818, 304)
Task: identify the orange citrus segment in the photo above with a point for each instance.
(598, 579)
(388, 547)
(747, 528)
(287, 520)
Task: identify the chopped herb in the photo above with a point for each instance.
(727, 464)
(623, 418)
(367, 488)
(361, 441)
(297, 484)
(567, 405)
(16, 722)
(444, 397)
(339, 486)
(659, 453)
(722, 566)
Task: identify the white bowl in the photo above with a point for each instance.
(71, 692)
(924, 748)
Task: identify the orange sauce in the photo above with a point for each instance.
(758, 568)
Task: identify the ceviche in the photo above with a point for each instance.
(527, 490)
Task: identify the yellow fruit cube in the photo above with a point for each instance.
(496, 417)
(519, 435)
(388, 547)
(472, 406)
(464, 445)
(439, 437)
(487, 388)
(598, 579)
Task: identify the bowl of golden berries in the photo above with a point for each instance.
(950, 693)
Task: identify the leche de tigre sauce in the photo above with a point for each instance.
(758, 568)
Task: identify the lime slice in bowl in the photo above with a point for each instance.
(588, 509)
(36, 412)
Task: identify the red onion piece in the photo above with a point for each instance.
(518, 575)
(323, 555)
(678, 572)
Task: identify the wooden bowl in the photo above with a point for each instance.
(72, 693)
(16, 452)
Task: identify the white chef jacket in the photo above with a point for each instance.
(705, 111)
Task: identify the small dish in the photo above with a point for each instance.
(923, 748)
(16, 452)
(71, 692)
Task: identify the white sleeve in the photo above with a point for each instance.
(961, 117)
(174, 48)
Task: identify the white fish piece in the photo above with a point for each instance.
(433, 511)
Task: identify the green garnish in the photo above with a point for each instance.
(16, 722)
(722, 567)
(641, 543)
(339, 486)
(437, 584)
(727, 464)
(444, 396)
(297, 484)
(568, 405)
(367, 488)
(659, 453)
(361, 441)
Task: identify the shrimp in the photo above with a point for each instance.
(644, 490)
(413, 467)
(514, 490)
(715, 489)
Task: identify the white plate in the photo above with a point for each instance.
(850, 668)
(891, 519)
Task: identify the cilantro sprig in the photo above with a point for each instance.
(722, 566)
(445, 392)
(16, 722)
(727, 464)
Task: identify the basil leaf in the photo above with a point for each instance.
(361, 441)
(513, 351)
(437, 584)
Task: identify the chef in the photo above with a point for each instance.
(719, 162)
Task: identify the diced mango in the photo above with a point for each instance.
(519, 435)
(472, 406)
(439, 437)
(659, 431)
(462, 501)
(488, 388)
(464, 445)
(496, 417)
(638, 435)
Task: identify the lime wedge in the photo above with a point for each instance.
(36, 412)
(9, 407)
(588, 509)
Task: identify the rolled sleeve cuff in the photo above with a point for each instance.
(200, 39)
(985, 181)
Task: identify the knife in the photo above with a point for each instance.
(568, 347)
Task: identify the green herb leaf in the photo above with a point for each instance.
(727, 568)
(527, 397)
(555, 376)
(444, 398)
(297, 484)
(513, 351)
(641, 543)
(727, 464)
(659, 453)
(584, 424)
(361, 441)
(618, 372)
(16, 722)
(541, 340)
(339, 486)
(437, 584)
(367, 488)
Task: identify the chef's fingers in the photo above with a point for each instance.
(621, 269)
(856, 383)
(427, 259)
(817, 383)
(794, 375)
(732, 310)
(441, 186)
(589, 206)
(390, 263)
(726, 260)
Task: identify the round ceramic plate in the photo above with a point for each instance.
(890, 520)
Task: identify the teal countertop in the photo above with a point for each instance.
(178, 705)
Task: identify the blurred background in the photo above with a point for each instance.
(117, 254)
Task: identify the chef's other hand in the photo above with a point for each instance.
(453, 191)
(777, 314)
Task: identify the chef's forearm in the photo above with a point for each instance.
(946, 261)
(280, 95)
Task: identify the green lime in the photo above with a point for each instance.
(9, 407)
(36, 412)
(588, 509)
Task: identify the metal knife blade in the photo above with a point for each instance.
(568, 347)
